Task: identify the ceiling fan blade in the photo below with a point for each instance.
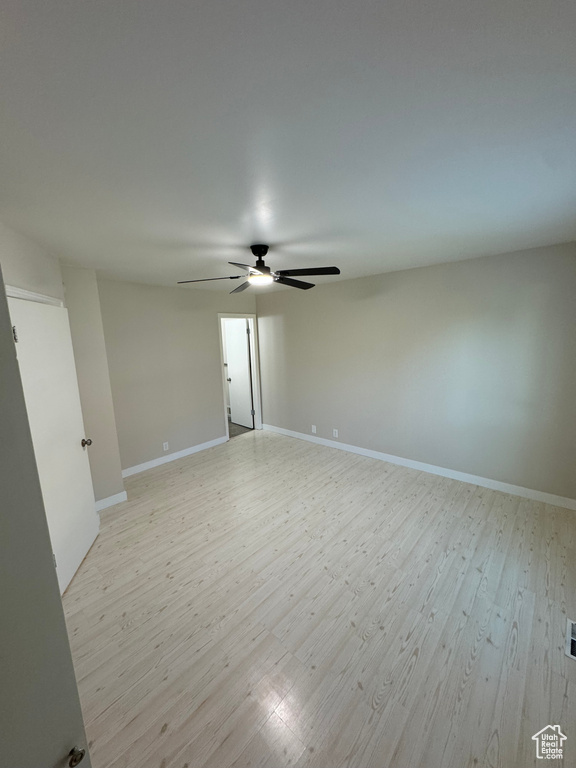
(207, 279)
(241, 287)
(308, 271)
(252, 270)
(293, 283)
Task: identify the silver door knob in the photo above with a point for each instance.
(76, 756)
(86, 441)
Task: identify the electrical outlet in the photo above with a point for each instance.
(334, 433)
(313, 429)
(165, 446)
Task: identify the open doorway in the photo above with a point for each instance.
(240, 373)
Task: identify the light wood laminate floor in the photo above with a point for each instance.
(270, 602)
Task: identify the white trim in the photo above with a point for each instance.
(111, 501)
(569, 624)
(255, 360)
(484, 482)
(239, 315)
(172, 457)
(21, 293)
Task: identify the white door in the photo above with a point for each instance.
(48, 374)
(40, 716)
(238, 370)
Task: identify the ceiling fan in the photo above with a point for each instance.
(263, 275)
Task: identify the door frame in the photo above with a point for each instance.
(254, 365)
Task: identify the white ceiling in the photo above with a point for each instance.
(151, 138)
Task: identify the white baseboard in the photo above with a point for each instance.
(110, 501)
(172, 456)
(484, 482)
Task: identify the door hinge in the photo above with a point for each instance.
(54, 558)
(253, 412)
(15, 334)
(248, 331)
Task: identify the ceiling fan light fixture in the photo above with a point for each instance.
(260, 279)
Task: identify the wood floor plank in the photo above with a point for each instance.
(271, 603)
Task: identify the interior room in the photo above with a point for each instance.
(288, 351)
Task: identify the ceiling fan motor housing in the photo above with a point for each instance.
(259, 250)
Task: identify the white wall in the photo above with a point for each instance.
(83, 302)
(468, 366)
(165, 369)
(27, 265)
